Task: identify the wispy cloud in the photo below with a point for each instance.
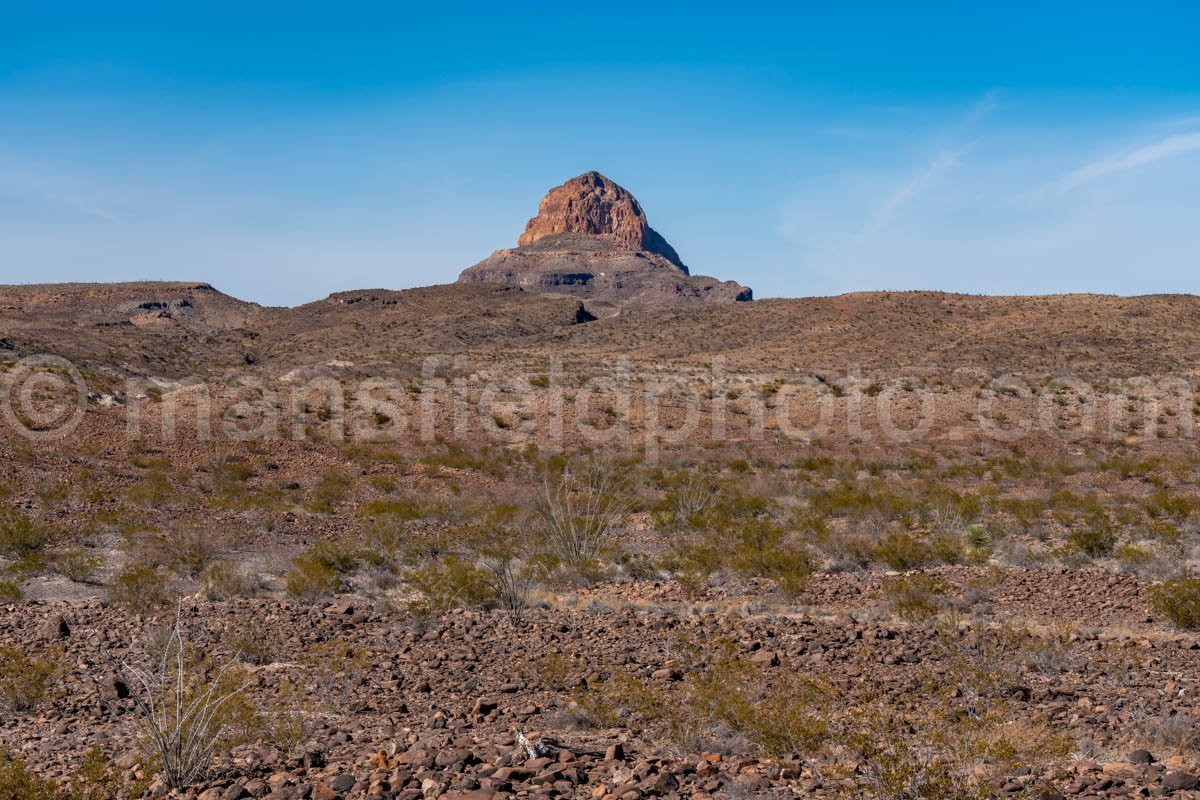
(981, 109)
(943, 162)
(927, 177)
(1169, 147)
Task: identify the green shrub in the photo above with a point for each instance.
(1097, 538)
(903, 551)
(153, 491)
(256, 644)
(24, 678)
(77, 566)
(96, 779)
(947, 548)
(319, 570)
(915, 597)
(329, 492)
(22, 536)
(10, 592)
(338, 556)
(186, 552)
(693, 562)
(394, 508)
(227, 472)
(141, 589)
(224, 580)
(385, 483)
(759, 550)
(1178, 600)
(18, 783)
(721, 694)
(451, 581)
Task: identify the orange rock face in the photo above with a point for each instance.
(592, 204)
(590, 240)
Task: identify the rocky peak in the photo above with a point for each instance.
(590, 240)
(594, 205)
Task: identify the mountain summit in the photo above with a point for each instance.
(590, 239)
(596, 206)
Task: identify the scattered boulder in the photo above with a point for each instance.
(1179, 781)
(52, 629)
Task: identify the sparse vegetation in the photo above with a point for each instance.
(25, 677)
(580, 512)
(184, 715)
(320, 571)
(1178, 600)
(915, 597)
(141, 588)
(726, 607)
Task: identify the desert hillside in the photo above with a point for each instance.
(180, 327)
(473, 541)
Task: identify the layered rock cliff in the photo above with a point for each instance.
(590, 239)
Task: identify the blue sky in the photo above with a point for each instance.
(297, 150)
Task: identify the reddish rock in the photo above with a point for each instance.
(591, 240)
(592, 204)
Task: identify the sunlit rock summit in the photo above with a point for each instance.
(590, 239)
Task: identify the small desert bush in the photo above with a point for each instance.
(724, 703)
(93, 779)
(17, 782)
(1178, 600)
(856, 500)
(497, 462)
(969, 734)
(1096, 538)
(25, 677)
(77, 565)
(228, 472)
(693, 562)
(759, 548)
(96, 779)
(10, 592)
(685, 503)
(395, 509)
(51, 495)
(742, 534)
(337, 668)
(141, 588)
(225, 580)
(152, 491)
(320, 570)
(1176, 730)
(915, 597)
(21, 534)
(331, 490)
(945, 753)
(903, 551)
(186, 552)
(256, 644)
(451, 581)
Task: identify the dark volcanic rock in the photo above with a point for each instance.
(591, 240)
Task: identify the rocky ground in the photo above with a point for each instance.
(850, 613)
(435, 705)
